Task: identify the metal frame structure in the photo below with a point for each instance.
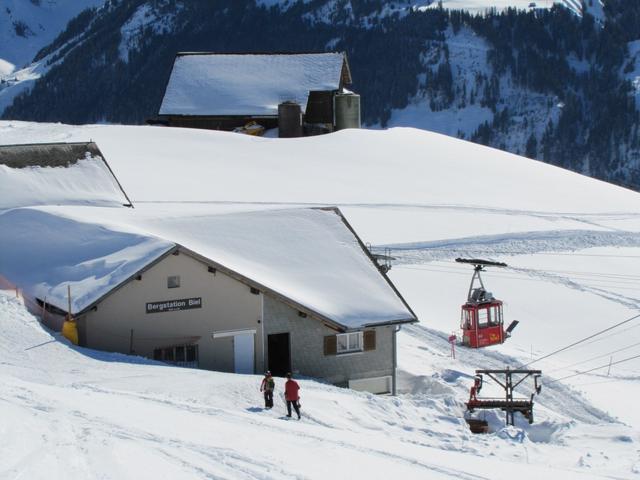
(509, 405)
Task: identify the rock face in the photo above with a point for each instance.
(556, 84)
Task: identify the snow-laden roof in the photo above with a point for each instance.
(57, 174)
(247, 84)
(308, 256)
(42, 253)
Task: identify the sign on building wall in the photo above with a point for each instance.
(173, 305)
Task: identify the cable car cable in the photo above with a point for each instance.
(582, 340)
(593, 358)
(619, 332)
(596, 368)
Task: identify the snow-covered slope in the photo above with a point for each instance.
(468, 56)
(77, 413)
(572, 243)
(327, 9)
(402, 166)
(26, 26)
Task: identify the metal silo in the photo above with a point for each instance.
(347, 110)
(289, 120)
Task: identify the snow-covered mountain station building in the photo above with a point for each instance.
(286, 290)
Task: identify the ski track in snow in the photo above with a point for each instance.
(631, 302)
(519, 243)
(588, 218)
(234, 464)
(522, 243)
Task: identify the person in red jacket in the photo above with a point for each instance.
(292, 395)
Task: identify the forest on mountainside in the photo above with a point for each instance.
(575, 62)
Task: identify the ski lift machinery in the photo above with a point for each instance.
(481, 317)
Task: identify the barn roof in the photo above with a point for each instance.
(310, 259)
(58, 174)
(253, 84)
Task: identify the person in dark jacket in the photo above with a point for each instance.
(267, 386)
(292, 395)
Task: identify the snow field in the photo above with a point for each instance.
(573, 249)
(76, 412)
(428, 169)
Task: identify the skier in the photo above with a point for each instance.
(292, 396)
(267, 386)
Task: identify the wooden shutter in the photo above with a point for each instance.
(330, 345)
(369, 340)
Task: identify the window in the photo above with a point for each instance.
(467, 319)
(173, 281)
(180, 355)
(496, 315)
(349, 342)
(483, 317)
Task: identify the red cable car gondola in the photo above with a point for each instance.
(481, 318)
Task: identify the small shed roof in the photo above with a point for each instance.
(57, 173)
(308, 258)
(222, 84)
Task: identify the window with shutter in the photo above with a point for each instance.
(330, 345)
(349, 342)
(369, 340)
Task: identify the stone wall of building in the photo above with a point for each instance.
(307, 347)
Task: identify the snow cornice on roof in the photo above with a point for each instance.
(56, 155)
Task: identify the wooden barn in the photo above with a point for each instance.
(301, 93)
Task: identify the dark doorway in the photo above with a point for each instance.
(279, 356)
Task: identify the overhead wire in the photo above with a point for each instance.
(607, 280)
(555, 352)
(594, 358)
(619, 332)
(594, 369)
(608, 380)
